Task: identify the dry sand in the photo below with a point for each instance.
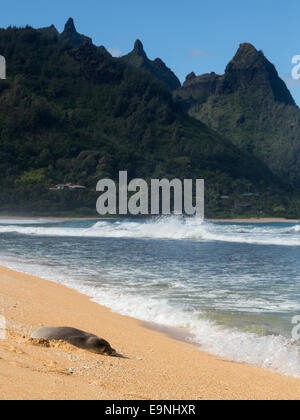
(155, 367)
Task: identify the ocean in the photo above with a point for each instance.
(232, 289)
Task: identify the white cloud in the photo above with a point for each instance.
(115, 52)
(197, 53)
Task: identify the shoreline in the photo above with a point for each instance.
(223, 220)
(156, 366)
(254, 220)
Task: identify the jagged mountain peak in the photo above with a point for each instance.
(70, 26)
(139, 48)
(252, 106)
(138, 58)
(71, 35)
(247, 56)
(251, 69)
(247, 49)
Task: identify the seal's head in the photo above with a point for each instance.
(100, 346)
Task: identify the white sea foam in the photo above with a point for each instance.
(296, 228)
(272, 352)
(168, 228)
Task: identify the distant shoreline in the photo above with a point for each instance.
(224, 220)
(255, 220)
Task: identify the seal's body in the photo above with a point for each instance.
(77, 338)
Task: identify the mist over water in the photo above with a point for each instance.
(233, 287)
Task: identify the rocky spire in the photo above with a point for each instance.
(138, 58)
(247, 55)
(251, 69)
(70, 27)
(139, 48)
(71, 35)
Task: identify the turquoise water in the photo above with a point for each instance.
(234, 288)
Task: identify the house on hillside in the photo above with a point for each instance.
(77, 187)
(61, 187)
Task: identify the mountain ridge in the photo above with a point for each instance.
(71, 35)
(250, 105)
(138, 58)
(79, 115)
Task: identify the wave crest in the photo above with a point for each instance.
(167, 228)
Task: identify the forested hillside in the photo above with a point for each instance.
(251, 106)
(69, 112)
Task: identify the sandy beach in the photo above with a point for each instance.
(255, 220)
(154, 366)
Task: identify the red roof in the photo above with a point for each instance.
(77, 186)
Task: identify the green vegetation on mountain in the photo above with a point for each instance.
(72, 36)
(251, 106)
(138, 58)
(75, 114)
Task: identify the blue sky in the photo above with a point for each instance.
(191, 35)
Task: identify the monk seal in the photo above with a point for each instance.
(76, 338)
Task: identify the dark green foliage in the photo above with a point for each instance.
(77, 115)
(139, 59)
(71, 36)
(252, 107)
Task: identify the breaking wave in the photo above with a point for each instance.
(170, 287)
(167, 228)
(273, 352)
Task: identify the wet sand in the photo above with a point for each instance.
(155, 365)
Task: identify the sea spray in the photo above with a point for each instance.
(171, 228)
(207, 279)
